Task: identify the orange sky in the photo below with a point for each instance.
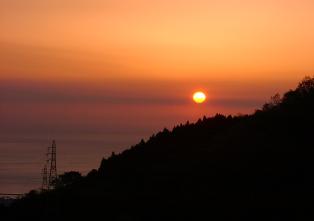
(244, 39)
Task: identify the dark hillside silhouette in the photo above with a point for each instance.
(251, 167)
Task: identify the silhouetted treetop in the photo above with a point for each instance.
(306, 85)
(298, 100)
(68, 178)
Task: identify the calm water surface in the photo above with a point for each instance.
(21, 160)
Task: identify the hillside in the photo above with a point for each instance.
(250, 167)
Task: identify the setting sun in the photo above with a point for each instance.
(199, 97)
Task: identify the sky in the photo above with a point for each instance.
(99, 75)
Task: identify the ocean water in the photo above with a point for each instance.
(22, 160)
(84, 135)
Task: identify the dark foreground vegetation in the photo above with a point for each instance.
(251, 167)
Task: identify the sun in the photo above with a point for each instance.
(199, 97)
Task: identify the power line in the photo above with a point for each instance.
(12, 194)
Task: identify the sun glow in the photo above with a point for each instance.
(199, 97)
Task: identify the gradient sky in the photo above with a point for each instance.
(156, 39)
(98, 75)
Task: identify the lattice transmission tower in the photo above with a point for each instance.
(49, 172)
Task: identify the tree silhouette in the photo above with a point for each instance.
(68, 178)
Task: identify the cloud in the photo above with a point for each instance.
(237, 102)
(28, 92)
(21, 92)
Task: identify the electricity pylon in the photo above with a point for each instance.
(49, 179)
